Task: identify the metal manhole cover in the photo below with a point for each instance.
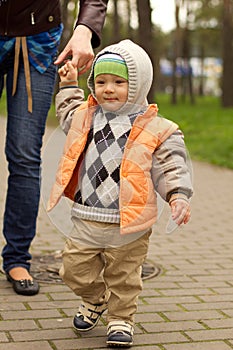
(150, 270)
(45, 268)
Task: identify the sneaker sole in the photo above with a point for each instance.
(119, 344)
(86, 329)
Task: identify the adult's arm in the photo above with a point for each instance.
(92, 15)
(87, 34)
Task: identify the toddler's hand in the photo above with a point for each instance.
(68, 72)
(180, 209)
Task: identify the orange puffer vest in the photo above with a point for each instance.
(137, 199)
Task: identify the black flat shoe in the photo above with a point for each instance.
(24, 287)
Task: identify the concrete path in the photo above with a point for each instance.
(189, 306)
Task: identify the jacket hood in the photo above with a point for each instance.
(140, 71)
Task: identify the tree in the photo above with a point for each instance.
(176, 51)
(186, 53)
(129, 28)
(145, 37)
(116, 22)
(69, 12)
(206, 37)
(227, 80)
(182, 51)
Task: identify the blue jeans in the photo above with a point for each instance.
(23, 152)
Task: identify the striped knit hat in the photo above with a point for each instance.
(111, 63)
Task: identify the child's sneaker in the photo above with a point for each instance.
(88, 316)
(120, 334)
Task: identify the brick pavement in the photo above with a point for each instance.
(189, 306)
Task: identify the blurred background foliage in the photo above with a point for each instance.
(200, 45)
(193, 66)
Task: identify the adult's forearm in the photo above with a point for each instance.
(92, 14)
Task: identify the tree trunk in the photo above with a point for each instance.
(176, 52)
(129, 28)
(227, 80)
(145, 37)
(65, 20)
(116, 23)
(187, 71)
(201, 83)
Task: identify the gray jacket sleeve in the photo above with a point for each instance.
(67, 101)
(171, 168)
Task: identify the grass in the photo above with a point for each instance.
(208, 128)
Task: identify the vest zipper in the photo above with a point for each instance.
(32, 18)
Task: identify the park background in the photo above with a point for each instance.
(190, 43)
(188, 304)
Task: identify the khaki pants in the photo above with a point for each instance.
(110, 275)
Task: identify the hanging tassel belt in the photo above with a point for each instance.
(21, 41)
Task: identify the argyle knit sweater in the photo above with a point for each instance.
(97, 196)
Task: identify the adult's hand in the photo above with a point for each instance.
(80, 48)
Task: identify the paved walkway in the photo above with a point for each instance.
(188, 306)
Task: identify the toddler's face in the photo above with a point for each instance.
(111, 91)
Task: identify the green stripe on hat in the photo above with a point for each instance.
(111, 64)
